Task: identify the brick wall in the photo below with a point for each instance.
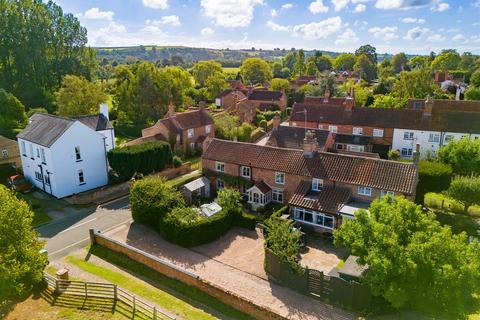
(172, 271)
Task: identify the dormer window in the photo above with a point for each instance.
(279, 178)
(246, 172)
(220, 166)
(317, 184)
(190, 133)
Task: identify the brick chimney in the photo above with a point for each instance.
(349, 104)
(309, 144)
(276, 121)
(326, 96)
(171, 110)
(428, 108)
(416, 154)
(201, 105)
(104, 110)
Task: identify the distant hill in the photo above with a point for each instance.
(227, 57)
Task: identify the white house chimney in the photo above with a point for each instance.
(458, 92)
(104, 110)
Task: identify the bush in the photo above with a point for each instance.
(177, 161)
(394, 155)
(143, 158)
(151, 199)
(245, 220)
(433, 177)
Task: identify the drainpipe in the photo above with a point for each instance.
(50, 184)
(43, 180)
(106, 158)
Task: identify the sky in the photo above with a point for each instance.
(392, 26)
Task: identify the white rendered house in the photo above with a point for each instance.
(63, 156)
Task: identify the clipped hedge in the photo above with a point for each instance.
(144, 158)
(245, 220)
(432, 177)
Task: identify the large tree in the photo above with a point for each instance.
(12, 112)
(204, 69)
(344, 62)
(463, 155)
(21, 264)
(399, 62)
(369, 51)
(78, 96)
(216, 84)
(414, 84)
(255, 71)
(279, 84)
(447, 60)
(39, 44)
(412, 260)
(299, 67)
(365, 68)
(465, 190)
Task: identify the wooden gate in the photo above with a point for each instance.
(315, 282)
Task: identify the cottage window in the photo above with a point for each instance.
(78, 155)
(364, 191)
(385, 192)
(4, 153)
(246, 172)
(43, 155)
(31, 150)
(38, 176)
(408, 135)
(192, 146)
(448, 137)
(320, 126)
(220, 166)
(208, 128)
(378, 133)
(190, 133)
(333, 129)
(47, 179)
(314, 218)
(434, 137)
(81, 178)
(355, 148)
(220, 184)
(317, 184)
(357, 131)
(38, 153)
(407, 152)
(24, 150)
(277, 195)
(279, 177)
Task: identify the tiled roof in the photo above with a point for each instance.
(262, 186)
(375, 173)
(44, 129)
(447, 105)
(329, 199)
(322, 100)
(187, 120)
(265, 95)
(96, 122)
(292, 137)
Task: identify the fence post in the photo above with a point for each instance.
(56, 286)
(134, 307)
(92, 235)
(86, 290)
(154, 313)
(115, 292)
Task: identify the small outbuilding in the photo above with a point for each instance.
(199, 188)
(352, 270)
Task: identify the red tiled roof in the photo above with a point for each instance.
(262, 186)
(322, 100)
(375, 173)
(329, 199)
(191, 119)
(265, 95)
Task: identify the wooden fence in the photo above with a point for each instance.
(105, 291)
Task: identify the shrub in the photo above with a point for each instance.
(245, 220)
(177, 161)
(143, 158)
(151, 199)
(394, 155)
(229, 199)
(433, 177)
(465, 190)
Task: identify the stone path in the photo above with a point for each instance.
(285, 302)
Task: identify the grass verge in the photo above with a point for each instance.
(182, 299)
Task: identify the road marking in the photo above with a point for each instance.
(78, 225)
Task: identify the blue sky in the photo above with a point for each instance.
(412, 26)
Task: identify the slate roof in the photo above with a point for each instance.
(292, 137)
(44, 129)
(356, 170)
(96, 122)
(329, 199)
(265, 95)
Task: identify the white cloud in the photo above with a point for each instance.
(230, 13)
(402, 4)
(317, 7)
(348, 37)
(415, 33)
(273, 13)
(277, 27)
(440, 7)
(436, 38)
(339, 4)
(318, 30)
(385, 33)
(172, 20)
(287, 6)
(459, 37)
(413, 20)
(96, 14)
(360, 8)
(207, 32)
(476, 3)
(156, 4)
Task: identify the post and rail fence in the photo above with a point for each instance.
(105, 291)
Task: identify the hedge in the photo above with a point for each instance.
(433, 177)
(144, 158)
(245, 220)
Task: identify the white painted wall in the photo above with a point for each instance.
(34, 164)
(110, 138)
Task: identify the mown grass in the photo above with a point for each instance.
(184, 300)
(181, 180)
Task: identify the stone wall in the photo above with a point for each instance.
(172, 271)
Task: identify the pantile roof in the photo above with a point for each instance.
(265, 95)
(329, 199)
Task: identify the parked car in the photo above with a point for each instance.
(19, 183)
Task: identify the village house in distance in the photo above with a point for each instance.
(65, 156)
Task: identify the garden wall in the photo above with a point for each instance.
(172, 271)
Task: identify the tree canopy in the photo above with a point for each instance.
(365, 67)
(414, 84)
(280, 84)
(462, 155)
(77, 96)
(344, 62)
(447, 60)
(413, 261)
(255, 71)
(204, 69)
(39, 45)
(21, 264)
(12, 112)
(465, 190)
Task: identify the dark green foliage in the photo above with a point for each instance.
(463, 155)
(151, 199)
(12, 112)
(245, 220)
(465, 190)
(177, 161)
(143, 158)
(433, 177)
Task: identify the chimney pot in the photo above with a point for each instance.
(309, 144)
(276, 121)
(104, 110)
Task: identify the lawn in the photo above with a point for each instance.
(186, 301)
(181, 180)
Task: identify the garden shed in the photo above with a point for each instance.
(197, 188)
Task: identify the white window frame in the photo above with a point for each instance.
(317, 184)
(47, 179)
(355, 148)
(378, 133)
(279, 177)
(81, 177)
(31, 150)
(208, 128)
(434, 137)
(406, 152)
(192, 145)
(246, 172)
(38, 176)
(385, 192)
(219, 166)
(42, 152)
(333, 129)
(449, 137)
(220, 184)
(299, 215)
(24, 149)
(364, 191)
(190, 133)
(4, 153)
(277, 195)
(408, 135)
(358, 131)
(78, 154)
